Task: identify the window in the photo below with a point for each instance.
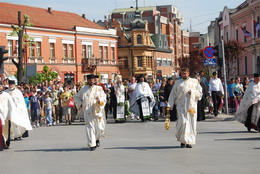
(10, 47)
(258, 20)
(52, 49)
(65, 51)
(159, 62)
(246, 66)
(32, 50)
(16, 47)
(237, 34)
(105, 52)
(227, 36)
(238, 72)
(89, 51)
(84, 51)
(139, 61)
(70, 51)
(101, 52)
(139, 39)
(38, 49)
(258, 64)
(113, 53)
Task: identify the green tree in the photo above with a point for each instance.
(233, 54)
(45, 75)
(23, 40)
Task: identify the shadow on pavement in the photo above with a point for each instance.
(227, 132)
(55, 150)
(144, 148)
(241, 139)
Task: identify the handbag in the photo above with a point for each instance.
(71, 103)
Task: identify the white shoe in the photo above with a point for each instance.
(138, 118)
(54, 123)
(38, 125)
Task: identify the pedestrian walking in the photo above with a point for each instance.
(185, 94)
(91, 99)
(248, 112)
(216, 91)
(143, 101)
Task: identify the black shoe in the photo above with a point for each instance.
(182, 145)
(98, 143)
(155, 119)
(188, 146)
(249, 129)
(93, 148)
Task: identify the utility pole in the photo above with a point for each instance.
(225, 76)
(20, 50)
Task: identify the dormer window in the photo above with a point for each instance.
(139, 39)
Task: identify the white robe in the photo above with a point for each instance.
(120, 97)
(23, 122)
(142, 90)
(186, 105)
(7, 112)
(94, 114)
(251, 97)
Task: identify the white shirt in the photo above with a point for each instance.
(216, 85)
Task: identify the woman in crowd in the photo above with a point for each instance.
(66, 96)
(238, 92)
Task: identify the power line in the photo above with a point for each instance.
(202, 15)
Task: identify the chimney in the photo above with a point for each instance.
(49, 9)
(84, 16)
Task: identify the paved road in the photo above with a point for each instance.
(223, 146)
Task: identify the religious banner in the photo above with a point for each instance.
(120, 114)
(145, 107)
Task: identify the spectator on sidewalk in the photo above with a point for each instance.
(47, 107)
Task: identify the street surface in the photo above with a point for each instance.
(223, 147)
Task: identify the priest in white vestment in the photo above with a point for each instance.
(24, 123)
(91, 100)
(249, 111)
(142, 101)
(118, 91)
(185, 94)
(8, 116)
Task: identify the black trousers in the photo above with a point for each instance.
(216, 98)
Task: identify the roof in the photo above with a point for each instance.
(40, 17)
(121, 10)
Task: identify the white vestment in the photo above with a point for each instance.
(7, 112)
(94, 113)
(186, 105)
(22, 118)
(251, 97)
(142, 90)
(120, 98)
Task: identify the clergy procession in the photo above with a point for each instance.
(183, 100)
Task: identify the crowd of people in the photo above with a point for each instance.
(52, 103)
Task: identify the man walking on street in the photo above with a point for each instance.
(216, 91)
(185, 94)
(91, 99)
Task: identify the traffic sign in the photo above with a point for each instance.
(208, 62)
(209, 52)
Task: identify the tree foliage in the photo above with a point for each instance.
(194, 62)
(45, 75)
(234, 51)
(23, 41)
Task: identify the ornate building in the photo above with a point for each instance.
(135, 49)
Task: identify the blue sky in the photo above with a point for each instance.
(199, 12)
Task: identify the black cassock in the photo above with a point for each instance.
(202, 103)
(167, 92)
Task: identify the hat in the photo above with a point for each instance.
(96, 76)
(90, 76)
(214, 73)
(256, 75)
(142, 75)
(170, 78)
(11, 82)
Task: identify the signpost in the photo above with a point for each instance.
(209, 52)
(208, 62)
